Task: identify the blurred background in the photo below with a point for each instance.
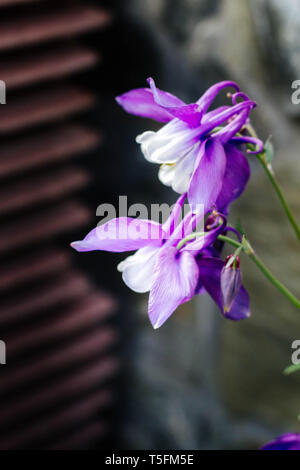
(84, 368)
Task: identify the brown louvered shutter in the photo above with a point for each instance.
(56, 390)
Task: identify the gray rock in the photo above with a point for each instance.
(278, 27)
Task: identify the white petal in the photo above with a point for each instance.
(144, 137)
(123, 264)
(166, 173)
(138, 269)
(169, 144)
(183, 171)
(178, 175)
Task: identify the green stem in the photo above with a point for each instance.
(271, 175)
(274, 281)
(280, 195)
(229, 240)
(189, 237)
(249, 251)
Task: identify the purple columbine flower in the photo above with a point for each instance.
(289, 441)
(195, 157)
(167, 265)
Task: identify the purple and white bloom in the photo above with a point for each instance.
(171, 267)
(289, 441)
(198, 150)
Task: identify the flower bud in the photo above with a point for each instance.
(231, 281)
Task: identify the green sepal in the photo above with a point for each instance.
(269, 150)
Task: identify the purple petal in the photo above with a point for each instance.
(210, 278)
(207, 179)
(289, 441)
(241, 306)
(174, 282)
(235, 231)
(188, 113)
(250, 140)
(237, 95)
(212, 114)
(170, 225)
(123, 234)
(201, 243)
(184, 228)
(163, 98)
(233, 127)
(235, 179)
(231, 282)
(141, 103)
(223, 116)
(207, 98)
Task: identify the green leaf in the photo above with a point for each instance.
(291, 369)
(269, 149)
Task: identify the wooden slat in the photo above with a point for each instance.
(61, 344)
(42, 106)
(59, 143)
(87, 347)
(70, 415)
(43, 225)
(80, 316)
(32, 266)
(82, 438)
(4, 3)
(46, 187)
(50, 24)
(70, 386)
(54, 63)
(67, 287)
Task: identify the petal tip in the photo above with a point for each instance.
(149, 80)
(155, 322)
(228, 316)
(75, 245)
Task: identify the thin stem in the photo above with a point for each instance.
(189, 237)
(249, 251)
(280, 195)
(229, 240)
(274, 281)
(271, 175)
